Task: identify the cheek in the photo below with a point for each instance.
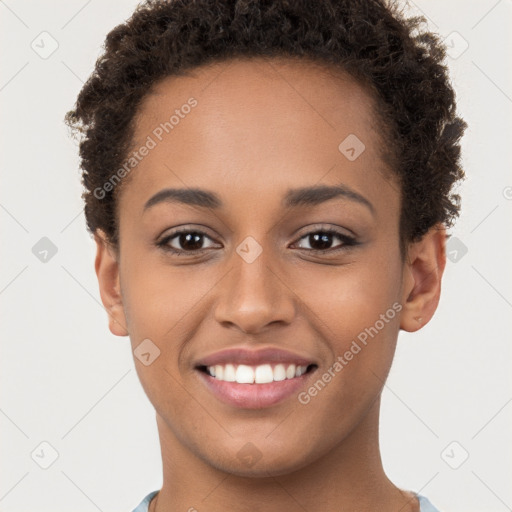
(357, 314)
(350, 299)
(357, 310)
(167, 305)
(159, 297)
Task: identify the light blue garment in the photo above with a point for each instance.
(425, 505)
(144, 504)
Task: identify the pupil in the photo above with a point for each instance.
(324, 240)
(190, 241)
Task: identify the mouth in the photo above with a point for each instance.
(255, 387)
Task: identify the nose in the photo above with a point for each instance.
(254, 295)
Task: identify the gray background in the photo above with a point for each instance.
(67, 381)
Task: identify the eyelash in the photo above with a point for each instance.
(347, 241)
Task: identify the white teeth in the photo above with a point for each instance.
(229, 373)
(261, 374)
(290, 371)
(244, 374)
(279, 372)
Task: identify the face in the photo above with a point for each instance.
(262, 219)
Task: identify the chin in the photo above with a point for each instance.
(251, 462)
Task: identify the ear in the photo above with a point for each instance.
(107, 271)
(423, 270)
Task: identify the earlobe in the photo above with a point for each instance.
(107, 271)
(423, 271)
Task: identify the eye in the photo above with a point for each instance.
(322, 240)
(194, 241)
(185, 241)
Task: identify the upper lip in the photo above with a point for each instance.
(243, 355)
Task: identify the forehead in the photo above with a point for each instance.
(257, 124)
(290, 77)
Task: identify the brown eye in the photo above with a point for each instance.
(185, 241)
(322, 241)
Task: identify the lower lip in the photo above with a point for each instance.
(254, 396)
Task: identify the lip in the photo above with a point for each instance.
(241, 355)
(254, 396)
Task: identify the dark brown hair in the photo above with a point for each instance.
(372, 40)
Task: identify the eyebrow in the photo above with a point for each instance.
(310, 196)
(192, 196)
(306, 196)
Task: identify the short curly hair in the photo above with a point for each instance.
(388, 54)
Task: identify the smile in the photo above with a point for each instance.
(255, 387)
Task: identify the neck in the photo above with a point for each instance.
(348, 477)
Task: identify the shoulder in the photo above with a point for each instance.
(144, 504)
(425, 505)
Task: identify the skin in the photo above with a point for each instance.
(262, 127)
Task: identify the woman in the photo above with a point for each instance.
(269, 187)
